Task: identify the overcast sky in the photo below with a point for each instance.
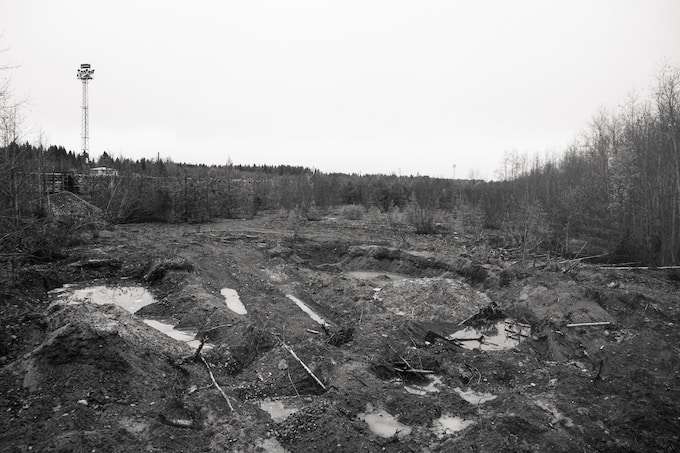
(369, 86)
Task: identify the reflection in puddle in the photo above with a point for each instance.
(233, 301)
(473, 397)
(425, 389)
(131, 298)
(307, 310)
(383, 424)
(505, 334)
(447, 425)
(277, 410)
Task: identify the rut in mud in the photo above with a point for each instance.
(334, 338)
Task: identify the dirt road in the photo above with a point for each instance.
(350, 338)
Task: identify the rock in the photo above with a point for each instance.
(83, 402)
(283, 365)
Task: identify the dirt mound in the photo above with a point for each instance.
(104, 341)
(377, 257)
(67, 205)
(430, 299)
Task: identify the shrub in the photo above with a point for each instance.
(422, 218)
(352, 212)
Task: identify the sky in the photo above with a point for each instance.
(432, 87)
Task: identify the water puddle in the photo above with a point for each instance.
(473, 397)
(423, 390)
(233, 301)
(277, 410)
(506, 334)
(307, 310)
(186, 336)
(383, 424)
(447, 425)
(131, 299)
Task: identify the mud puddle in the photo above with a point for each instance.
(131, 299)
(447, 425)
(422, 390)
(383, 424)
(506, 334)
(473, 397)
(233, 301)
(278, 409)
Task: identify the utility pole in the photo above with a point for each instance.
(85, 74)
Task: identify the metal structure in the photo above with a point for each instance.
(85, 74)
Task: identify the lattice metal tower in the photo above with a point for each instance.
(85, 74)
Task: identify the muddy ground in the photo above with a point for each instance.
(82, 377)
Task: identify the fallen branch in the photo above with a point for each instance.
(218, 327)
(583, 258)
(316, 332)
(479, 339)
(409, 368)
(413, 370)
(589, 324)
(467, 319)
(634, 268)
(288, 348)
(226, 398)
(399, 355)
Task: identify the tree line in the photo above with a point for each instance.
(616, 190)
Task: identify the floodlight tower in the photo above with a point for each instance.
(85, 74)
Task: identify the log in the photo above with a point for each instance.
(634, 268)
(589, 324)
(413, 370)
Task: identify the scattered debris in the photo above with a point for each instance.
(405, 367)
(488, 313)
(340, 336)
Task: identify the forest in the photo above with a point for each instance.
(613, 194)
